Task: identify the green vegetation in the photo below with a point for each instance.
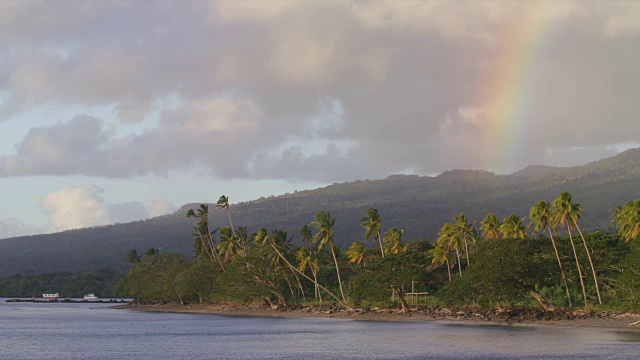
(67, 284)
(501, 263)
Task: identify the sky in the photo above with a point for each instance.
(116, 111)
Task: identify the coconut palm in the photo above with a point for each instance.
(572, 213)
(628, 220)
(440, 255)
(209, 245)
(355, 253)
(372, 223)
(305, 234)
(447, 238)
(223, 203)
(513, 228)
(490, 227)
(393, 241)
(229, 245)
(464, 230)
(540, 216)
(307, 259)
(132, 257)
(325, 225)
(563, 211)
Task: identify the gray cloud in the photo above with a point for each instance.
(407, 85)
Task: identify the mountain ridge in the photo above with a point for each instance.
(420, 204)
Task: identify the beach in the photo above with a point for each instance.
(571, 318)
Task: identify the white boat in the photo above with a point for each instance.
(90, 296)
(51, 296)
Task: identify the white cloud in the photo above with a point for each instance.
(13, 227)
(75, 207)
(160, 207)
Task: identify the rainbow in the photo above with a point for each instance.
(507, 95)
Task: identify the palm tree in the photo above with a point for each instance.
(325, 225)
(355, 253)
(563, 208)
(628, 220)
(307, 259)
(223, 203)
(393, 241)
(465, 231)
(440, 255)
(229, 244)
(372, 223)
(568, 214)
(201, 218)
(490, 227)
(540, 216)
(447, 238)
(305, 234)
(513, 228)
(132, 257)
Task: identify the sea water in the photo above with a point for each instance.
(97, 331)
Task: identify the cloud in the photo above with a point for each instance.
(84, 206)
(75, 207)
(13, 227)
(160, 207)
(412, 84)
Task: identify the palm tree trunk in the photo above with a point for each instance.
(212, 249)
(459, 266)
(335, 260)
(380, 242)
(343, 304)
(593, 269)
(449, 270)
(564, 277)
(466, 248)
(316, 291)
(575, 254)
(232, 229)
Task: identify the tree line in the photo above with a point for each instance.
(499, 262)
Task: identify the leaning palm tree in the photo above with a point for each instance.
(490, 227)
(208, 243)
(464, 230)
(223, 203)
(513, 228)
(372, 223)
(325, 225)
(393, 241)
(447, 238)
(440, 255)
(355, 253)
(559, 218)
(307, 259)
(540, 216)
(569, 213)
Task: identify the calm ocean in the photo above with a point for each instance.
(95, 331)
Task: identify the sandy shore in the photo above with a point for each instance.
(576, 319)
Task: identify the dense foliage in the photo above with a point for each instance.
(67, 284)
(548, 262)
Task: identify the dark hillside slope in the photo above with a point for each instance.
(419, 204)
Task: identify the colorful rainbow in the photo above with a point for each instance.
(507, 98)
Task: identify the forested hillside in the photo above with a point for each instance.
(419, 204)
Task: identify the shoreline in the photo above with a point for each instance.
(601, 319)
